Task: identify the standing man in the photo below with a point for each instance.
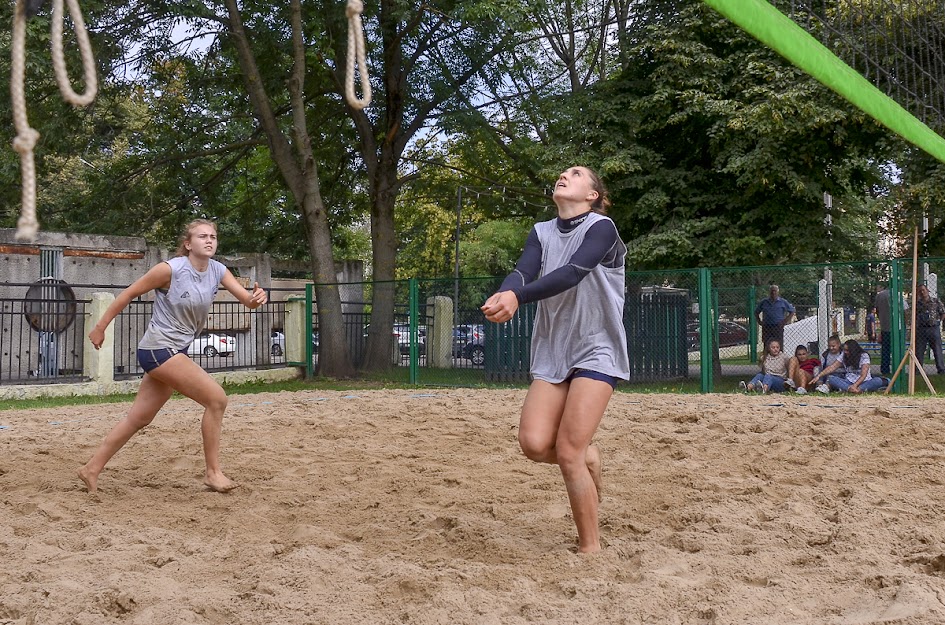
(773, 313)
(929, 313)
(871, 325)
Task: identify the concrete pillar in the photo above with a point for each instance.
(440, 334)
(296, 328)
(99, 364)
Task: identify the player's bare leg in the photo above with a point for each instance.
(152, 395)
(587, 400)
(192, 381)
(596, 468)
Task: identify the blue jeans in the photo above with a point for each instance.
(837, 383)
(775, 383)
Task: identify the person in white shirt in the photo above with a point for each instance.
(854, 376)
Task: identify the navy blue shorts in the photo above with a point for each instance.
(151, 359)
(594, 375)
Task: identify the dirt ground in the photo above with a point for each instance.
(376, 507)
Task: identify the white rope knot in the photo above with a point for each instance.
(27, 228)
(356, 57)
(354, 7)
(26, 137)
(26, 141)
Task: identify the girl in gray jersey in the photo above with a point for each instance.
(573, 266)
(184, 289)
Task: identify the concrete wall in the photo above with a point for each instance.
(112, 260)
(102, 261)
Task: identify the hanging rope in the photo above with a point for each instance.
(356, 56)
(26, 137)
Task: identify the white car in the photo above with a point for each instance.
(276, 343)
(210, 344)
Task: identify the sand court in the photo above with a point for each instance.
(400, 506)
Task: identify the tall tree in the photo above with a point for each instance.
(425, 61)
(719, 153)
(293, 155)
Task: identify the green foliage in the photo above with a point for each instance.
(493, 248)
(717, 152)
(920, 195)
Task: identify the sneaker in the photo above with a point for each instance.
(801, 391)
(823, 388)
(742, 386)
(790, 384)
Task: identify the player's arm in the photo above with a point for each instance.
(503, 304)
(599, 244)
(251, 300)
(827, 370)
(158, 277)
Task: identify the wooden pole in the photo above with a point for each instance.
(910, 352)
(915, 278)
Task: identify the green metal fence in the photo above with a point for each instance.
(699, 329)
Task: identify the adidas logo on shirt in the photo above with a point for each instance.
(185, 295)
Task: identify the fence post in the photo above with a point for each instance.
(98, 365)
(309, 319)
(294, 331)
(752, 325)
(439, 342)
(897, 331)
(705, 329)
(414, 317)
(824, 315)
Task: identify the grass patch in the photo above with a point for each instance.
(398, 378)
(56, 402)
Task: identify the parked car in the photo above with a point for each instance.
(730, 333)
(210, 344)
(277, 343)
(402, 333)
(469, 343)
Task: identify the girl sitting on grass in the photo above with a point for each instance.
(801, 370)
(774, 370)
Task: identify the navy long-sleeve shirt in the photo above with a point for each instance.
(599, 247)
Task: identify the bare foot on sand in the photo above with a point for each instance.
(219, 483)
(596, 467)
(90, 479)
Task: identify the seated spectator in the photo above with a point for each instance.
(774, 370)
(856, 377)
(801, 370)
(832, 360)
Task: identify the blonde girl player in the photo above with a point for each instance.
(573, 266)
(184, 289)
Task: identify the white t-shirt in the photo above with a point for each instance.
(853, 375)
(776, 365)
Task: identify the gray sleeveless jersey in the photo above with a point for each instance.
(180, 312)
(581, 328)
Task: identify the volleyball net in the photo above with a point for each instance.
(886, 57)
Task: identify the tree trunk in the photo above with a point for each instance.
(382, 158)
(384, 247)
(300, 173)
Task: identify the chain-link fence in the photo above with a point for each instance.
(699, 329)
